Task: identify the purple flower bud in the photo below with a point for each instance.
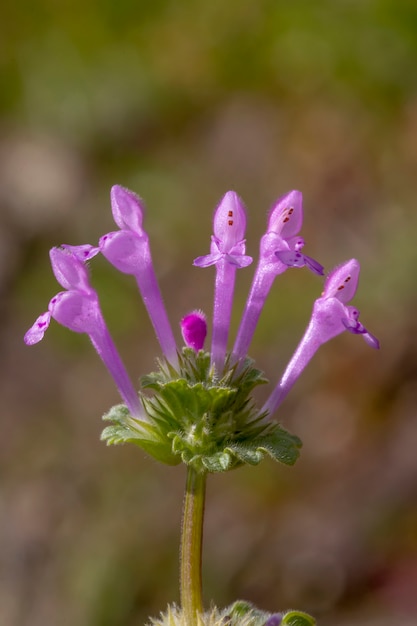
(194, 329)
(331, 316)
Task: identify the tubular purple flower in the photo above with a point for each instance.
(129, 251)
(227, 253)
(78, 309)
(279, 249)
(331, 316)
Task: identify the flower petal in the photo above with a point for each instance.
(69, 271)
(127, 209)
(313, 265)
(229, 221)
(342, 282)
(353, 325)
(83, 252)
(207, 260)
(294, 258)
(126, 250)
(77, 311)
(240, 260)
(286, 216)
(37, 331)
(371, 340)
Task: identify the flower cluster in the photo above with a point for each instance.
(201, 411)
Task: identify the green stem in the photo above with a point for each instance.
(191, 545)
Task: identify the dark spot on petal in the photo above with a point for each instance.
(287, 213)
(230, 222)
(230, 214)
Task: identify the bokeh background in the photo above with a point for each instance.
(181, 101)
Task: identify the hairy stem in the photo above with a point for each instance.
(191, 545)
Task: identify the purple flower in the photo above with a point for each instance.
(274, 620)
(78, 309)
(129, 251)
(227, 253)
(280, 249)
(194, 330)
(331, 316)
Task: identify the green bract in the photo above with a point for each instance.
(240, 613)
(209, 423)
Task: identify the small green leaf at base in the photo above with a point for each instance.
(240, 613)
(126, 429)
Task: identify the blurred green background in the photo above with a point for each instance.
(181, 101)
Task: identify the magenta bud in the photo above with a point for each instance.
(194, 329)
